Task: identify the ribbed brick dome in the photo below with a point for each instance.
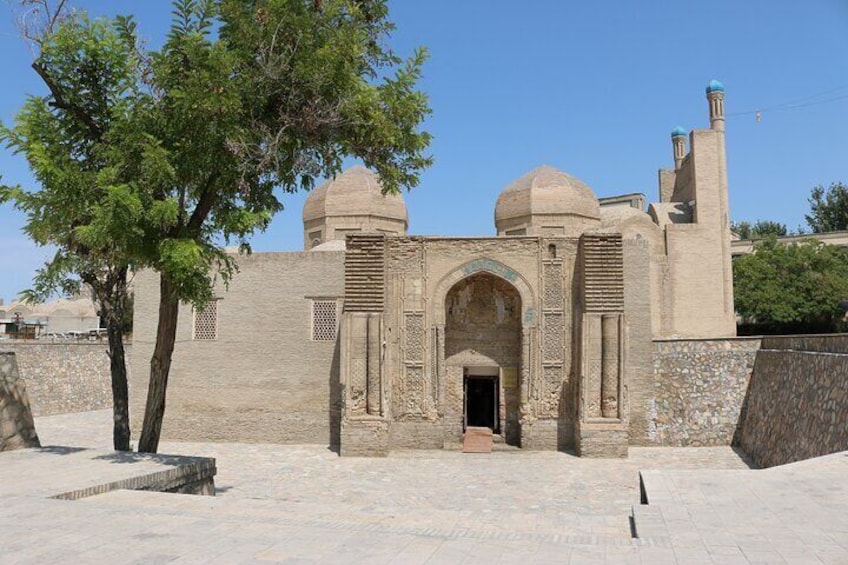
(551, 196)
(351, 203)
(354, 192)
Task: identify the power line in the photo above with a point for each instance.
(797, 103)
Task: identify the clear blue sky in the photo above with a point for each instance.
(591, 87)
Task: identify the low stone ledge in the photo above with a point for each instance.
(72, 473)
(195, 476)
(831, 343)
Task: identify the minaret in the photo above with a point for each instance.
(678, 141)
(715, 94)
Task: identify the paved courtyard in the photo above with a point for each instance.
(304, 504)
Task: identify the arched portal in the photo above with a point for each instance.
(483, 344)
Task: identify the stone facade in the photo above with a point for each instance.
(17, 428)
(65, 377)
(699, 390)
(797, 404)
(542, 334)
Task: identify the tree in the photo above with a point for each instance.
(828, 208)
(792, 287)
(75, 139)
(761, 228)
(277, 97)
(192, 147)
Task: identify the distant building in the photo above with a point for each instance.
(746, 246)
(61, 316)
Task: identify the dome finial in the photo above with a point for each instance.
(715, 86)
(678, 132)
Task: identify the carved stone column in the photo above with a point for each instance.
(592, 364)
(364, 428)
(374, 357)
(610, 367)
(601, 429)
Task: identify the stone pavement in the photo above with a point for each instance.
(304, 504)
(793, 513)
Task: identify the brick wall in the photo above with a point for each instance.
(264, 379)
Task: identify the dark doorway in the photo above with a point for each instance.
(481, 403)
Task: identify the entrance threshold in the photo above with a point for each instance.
(477, 440)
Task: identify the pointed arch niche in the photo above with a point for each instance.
(484, 316)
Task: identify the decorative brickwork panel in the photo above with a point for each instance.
(553, 286)
(610, 372)
(554, 329)
(404, 255)
(603, 273)
(592, 352)
(325, 320)
(414, 338)
(551, 392)
(365, 265)
(413, 391)
(206, 322)
(358, 385)
(483, 314)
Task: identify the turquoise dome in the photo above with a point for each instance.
(678, 132)
(715, 86)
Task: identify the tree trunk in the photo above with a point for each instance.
(160, 367)
(110, 294)
(120, 394)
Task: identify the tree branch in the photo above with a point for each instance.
(204, 205)
(62, 103)
(45, 19)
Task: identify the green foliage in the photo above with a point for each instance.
(761, 228)
(828, 208)
(796, 285)
(159, 159)
(277, 99)
(83, 205)
(138, 154)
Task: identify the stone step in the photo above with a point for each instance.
(648, 522)
(477, 440)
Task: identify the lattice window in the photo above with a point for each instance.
(206, 321)
(325, 320)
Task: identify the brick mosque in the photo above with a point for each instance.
(372, 340)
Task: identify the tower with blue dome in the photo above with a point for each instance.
(694, 210)
(678, 140)
(715, 94)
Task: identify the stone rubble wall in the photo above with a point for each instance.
(65, 377)
(699, 390)
(17, 428)
(797, 405)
